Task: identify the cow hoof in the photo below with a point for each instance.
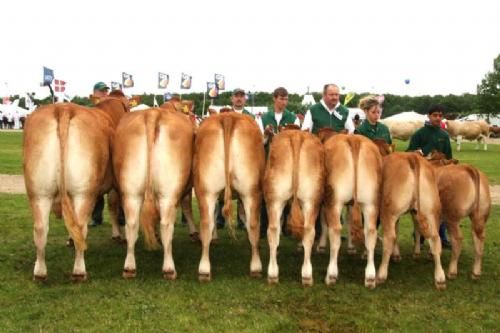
(195, 237)
(370, 283)
(396, 258)
(451, 276)
(39, 278)
(80, 277)
(330, 280)
(351, 251)
(321, 249)
(128, 273)
(440, 285)
(307, 281)
(273, 280)
(118, 240)
(204, 277)
(70, 243)
(416, 255)
(169, 275)
(475, 276)
(256, 274)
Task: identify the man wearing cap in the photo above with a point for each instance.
(238, 100)
(433, 137)
(328, 113)
(100, 89)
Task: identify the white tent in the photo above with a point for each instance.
(409, 115)
(256, 110)
(140, 107)
(493, 120)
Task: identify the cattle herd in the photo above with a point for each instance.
(150, 161)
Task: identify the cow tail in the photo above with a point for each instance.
(415, 166)
(296, 220)
(476, 179)
(149, 212)
(227, 123)
(64, 114)
(356, 224)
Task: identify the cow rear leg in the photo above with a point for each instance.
(389, 225)
(40, 208)
(351, 248)
(332, 215)
(132, 208)
(310, 213)
(323, 239)
(114, 211)
(456, 247)
(370, 214)
(478, 236)
(435, 245)
(252, 209)
(274, 211)
(187, 210)
(207, 224)
(83, 205)
(168, 212)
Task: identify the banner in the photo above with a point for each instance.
(162, 80)
(116, 86)
(48, 76)
(59, 85)
(167, 96)
(127, 80)
(186, 81)
(212, 90)
(220, 81)
(348, 97)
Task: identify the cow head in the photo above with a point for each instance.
(325, 133)
(225, 109)
(289, 127)
(384, 148)
(437, 158)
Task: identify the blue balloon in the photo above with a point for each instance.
(407, 81)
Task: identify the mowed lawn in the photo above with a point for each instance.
(232, 301)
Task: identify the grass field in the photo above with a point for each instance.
(232, 301)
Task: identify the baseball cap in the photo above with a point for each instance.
(238, 91)
(100, 86)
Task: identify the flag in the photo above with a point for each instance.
(127, 80)
(167, 96)
(155, 102)
(220, 81)
(186, 81)
(116, 86)
(48, 76)
(59, 85)
(212, 90)
(162, 80)
(348, 97)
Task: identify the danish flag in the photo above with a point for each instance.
(59, 85)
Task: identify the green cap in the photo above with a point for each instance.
(238, 91)
(101, 86)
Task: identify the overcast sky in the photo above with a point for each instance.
(442, 47)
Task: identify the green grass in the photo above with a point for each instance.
(486, 161)
(233, 302)
(11, 153)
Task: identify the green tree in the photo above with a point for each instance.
(489, 90)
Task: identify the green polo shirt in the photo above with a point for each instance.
(248, 113)
(286, 119)
(377, 131)
(322, 118)
(429, 138)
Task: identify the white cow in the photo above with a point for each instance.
(470, 130)
(402, 129)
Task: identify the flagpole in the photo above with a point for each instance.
(204, 100)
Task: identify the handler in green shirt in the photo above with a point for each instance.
(371, 127)
(432, 136)
(328, 113)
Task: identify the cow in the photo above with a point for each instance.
(352, 161)
(409, 185)
(294, 170)
(402, 130)
(66, 158)
(463, 191)
(470, 130)
(152, 158)
(229, 154)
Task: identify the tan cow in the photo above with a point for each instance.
(463, 191)
(470, 130)
(409, 185)
(294, 170)
(229, 154)
(402, 130)
(152, 159)
(66, 153)
(353, 174)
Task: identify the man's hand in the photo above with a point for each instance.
(269, 130)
